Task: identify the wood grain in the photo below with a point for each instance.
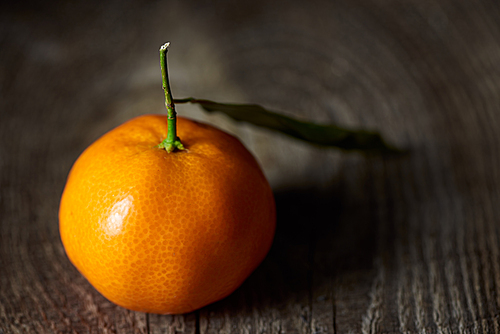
(365, 244)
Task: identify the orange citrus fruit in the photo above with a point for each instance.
(166, 232)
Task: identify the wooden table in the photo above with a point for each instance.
(365, 244)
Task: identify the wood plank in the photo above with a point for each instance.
(365, 244)
(172, 324)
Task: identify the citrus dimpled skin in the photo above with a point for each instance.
(166, 233)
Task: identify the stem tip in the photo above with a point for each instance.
(165, 46)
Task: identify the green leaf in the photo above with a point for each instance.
(323, 135)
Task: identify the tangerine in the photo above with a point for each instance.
(166, 232)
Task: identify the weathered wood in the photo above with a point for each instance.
(365, 244)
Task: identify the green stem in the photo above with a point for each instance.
(172, 142)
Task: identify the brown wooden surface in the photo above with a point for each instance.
(364, 244)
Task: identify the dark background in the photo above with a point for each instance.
(365, 244)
